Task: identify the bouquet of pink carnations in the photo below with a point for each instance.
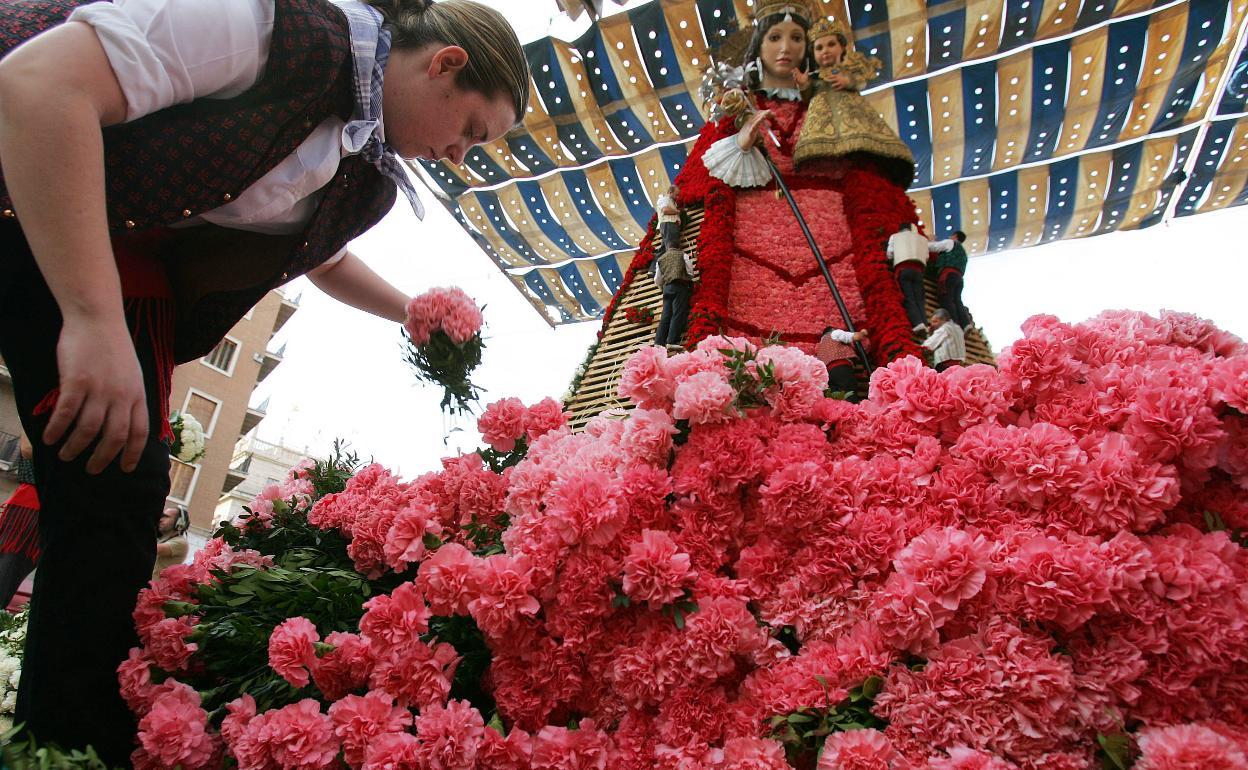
(443, 335)
(1036, 566)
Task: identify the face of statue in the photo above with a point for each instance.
(829, 51)
(782, 51)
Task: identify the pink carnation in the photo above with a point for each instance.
(300, 737)
(702, 398)
(175, 731)
(165, 643)
(1229, 380)
(648, 435)
(450, 736)
(292, 650)
(238, 716)
(444, 579)
(950, 563)
(393, 751)
(395, 619)
(345, 668)
(1188, 747)
(135, 678)
(558, 748)
(416, 674)
(446, 309)
(655, 571)
(751, 754)
(502, 424)
(860, 750)
(405, 542)
(361, 720)
(801, 380)
(646, 381)
(504, 593)
(1062, 582)
(543, 417)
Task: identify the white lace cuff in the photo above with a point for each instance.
(739, 168)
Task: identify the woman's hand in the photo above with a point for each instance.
(840, 82)
(101, 394)
(749, 134)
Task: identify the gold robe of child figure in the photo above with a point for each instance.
(839, 121)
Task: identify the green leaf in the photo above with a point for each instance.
(871, 686)
(678, 617)
(1213, 522)
(1115, 750)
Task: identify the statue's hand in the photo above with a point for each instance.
(749, 134)
(802, 79)
(840, 82)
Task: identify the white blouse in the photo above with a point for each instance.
(167, 52)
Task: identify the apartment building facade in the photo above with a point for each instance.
(217, 389)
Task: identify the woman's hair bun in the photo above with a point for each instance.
(394, 9)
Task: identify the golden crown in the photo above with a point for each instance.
(765, 8)
(825, 27)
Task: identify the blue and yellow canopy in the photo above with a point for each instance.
(1030, 121)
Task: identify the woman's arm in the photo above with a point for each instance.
(352, 282)
(56, 91)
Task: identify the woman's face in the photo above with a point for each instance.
(829, 51)
(428, 115)
(783, 49)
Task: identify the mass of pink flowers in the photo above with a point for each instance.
(1028, 561)
(508, 420)
(443, 309)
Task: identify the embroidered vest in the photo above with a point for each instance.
(672, 267)
(955, 258)
(828, 350)
(189, 159)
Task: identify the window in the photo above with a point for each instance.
(181, 480)
(202, 407)
(222, 356)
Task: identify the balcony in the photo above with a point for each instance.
(285, 311)
(252, 447)
(233, 477)
(253, 417)
(269, 361)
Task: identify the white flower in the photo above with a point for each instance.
(8, 665)
(9, 703)
(15, 678)
(190, 438)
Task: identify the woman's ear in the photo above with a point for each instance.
(449, 60)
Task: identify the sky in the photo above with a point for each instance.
(343, 375)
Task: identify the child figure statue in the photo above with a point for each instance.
(839, 122)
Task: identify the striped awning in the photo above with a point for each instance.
(1030, 121)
